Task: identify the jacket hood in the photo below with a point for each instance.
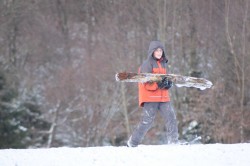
(153, 46)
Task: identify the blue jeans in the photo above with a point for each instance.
(149, 113)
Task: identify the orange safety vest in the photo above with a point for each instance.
(149, 92)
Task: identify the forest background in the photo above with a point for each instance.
(58, 60)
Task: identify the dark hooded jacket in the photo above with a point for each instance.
(149, 92)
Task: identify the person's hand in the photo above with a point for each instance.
(165, 84)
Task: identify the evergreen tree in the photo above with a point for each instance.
(21, 124)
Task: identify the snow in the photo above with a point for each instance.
(199, 83)
(145, 155)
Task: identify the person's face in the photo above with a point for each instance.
(158, 53)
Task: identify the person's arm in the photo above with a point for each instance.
(147, 68)
(151, 86)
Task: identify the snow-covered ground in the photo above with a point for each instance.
(144, 155)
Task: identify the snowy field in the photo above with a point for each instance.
(144, 155)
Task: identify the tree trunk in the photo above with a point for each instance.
(125, 109)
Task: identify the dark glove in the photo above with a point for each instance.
(165, 84)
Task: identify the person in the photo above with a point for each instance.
(154, 97)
